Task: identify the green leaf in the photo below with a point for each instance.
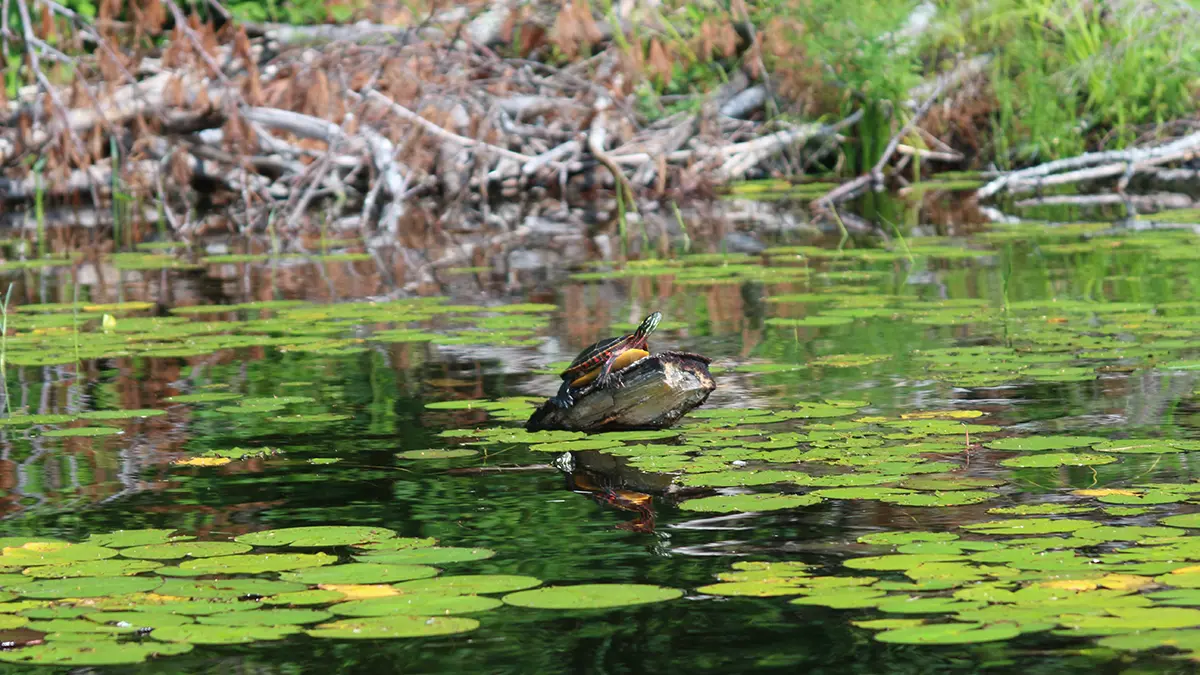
(592, 596)
(330, 535)
(266, 617)
(86, 587)
(417, 605)
(198, 634)
(438, 555)
(91, 653)
(360, 573)
(254, 563)
(748, 503)
(470, 584)
(383, 627)
(950, 633)
(186, 549)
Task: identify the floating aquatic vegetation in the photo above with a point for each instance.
(591, 596)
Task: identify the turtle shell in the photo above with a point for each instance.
(593, 355)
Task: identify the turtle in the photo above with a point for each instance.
(596, 361)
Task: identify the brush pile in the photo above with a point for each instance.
(242, 125)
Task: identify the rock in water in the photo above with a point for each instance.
(659, 389)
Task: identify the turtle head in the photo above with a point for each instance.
(648, 325)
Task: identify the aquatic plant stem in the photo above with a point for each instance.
(841, 228)
(687, 241)
(4, 346)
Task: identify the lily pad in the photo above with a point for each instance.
(254, 563)
(127, 538)
(950, 633)
(748, 503)
(1055, 459)
(199, 634)
(266, 617)
(82, 432)
(374, 628)
(90, 653)
(360, 573)
(1043, 442)
(417, 605)
(331, 535)
(85, 587)
(185, 549)
(470, 584)
(436, 555)
(592, 596)
(91, 568)
(457, 453)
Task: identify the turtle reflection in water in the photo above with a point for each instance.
(626, 500)
(599, 361)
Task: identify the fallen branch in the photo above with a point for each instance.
(875, 176)
(1133, 156)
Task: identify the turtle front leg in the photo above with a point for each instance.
(607, 379)
(563, 398)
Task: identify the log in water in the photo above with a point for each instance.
(658, 390)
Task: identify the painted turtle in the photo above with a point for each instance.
(596, 361)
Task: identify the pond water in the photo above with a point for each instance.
(943, 456)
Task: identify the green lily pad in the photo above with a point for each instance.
(900, 538)
(82, 432)
(127, 538)
(436, 555)
(748, 503)
(948, 483)
(90, 653)
(198, 634)
(958, 498)
(1056, 459)
(266, 617)
(950, 633)
(91, 568)
(1043, 442)
(1127, 533)
(300, 598)
(1147, 498)
(331, 535)
(85, 587)
(360, 573)
(417, 605)
(1186, 640)
(314, 418)
(1188, 520)
(255, 563)
(898, 562)
(437, 454)
(1030, 526)
(1131, 446)
(204, 397)
(139, 620)
(1039, 510)
(50, 553)
(121, 414)
(227, 589)
(592, 596)
(470, 584)
(843, 598)
(185, 549)
(374, 628)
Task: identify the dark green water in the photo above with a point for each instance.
(896, 304)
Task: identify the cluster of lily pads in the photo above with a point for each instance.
(64, 333)
(125, 596)
(1131, 587)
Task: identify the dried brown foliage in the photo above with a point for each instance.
(659, 61)
(575, 29)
